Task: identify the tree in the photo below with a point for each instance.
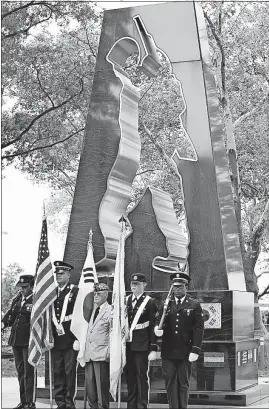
(238, 38)
(9, 277)
(49, 68)
(48, 51)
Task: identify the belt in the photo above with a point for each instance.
(141, 326)
(68, 318)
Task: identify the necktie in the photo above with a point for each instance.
(134, 302)
(96, 313)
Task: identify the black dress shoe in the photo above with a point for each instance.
(20, 406)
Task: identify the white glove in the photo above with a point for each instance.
(193, 357)
(76, 345)
(152, 356)
(158, 332)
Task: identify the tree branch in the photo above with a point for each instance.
(264, 292)
(65, 174)
(246, 115)
(40, 85)
(219, 43)
(88, 40)
(16, 9)
(13, 155)
(25, 31)
(262, 273)
(170, 163)
(148, 170)
(6, 144)
(255, 238)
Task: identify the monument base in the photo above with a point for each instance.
(252, 396)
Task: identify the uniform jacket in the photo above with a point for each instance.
(66, 340)
(18, 317)
(183, 329)
(97, 341)
(143, 339)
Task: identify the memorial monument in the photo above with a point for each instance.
(109, 161)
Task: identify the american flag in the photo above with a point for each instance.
(44, 294)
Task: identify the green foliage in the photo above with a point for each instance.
(47, 75)
(9, 277)
(48, 57)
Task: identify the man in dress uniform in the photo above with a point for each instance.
(18, 317)
(182, 337)
(97, 350)
(141, 346)
(63, 354)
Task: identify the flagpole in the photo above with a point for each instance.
(119, 392)
(85, 393)
(50, 380)
(123, 223)
(35, 381)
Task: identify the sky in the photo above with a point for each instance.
(22, 209)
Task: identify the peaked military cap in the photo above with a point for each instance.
(179, 278)
(139, 278)
(24, 280)
(100, 287)
(62, 265)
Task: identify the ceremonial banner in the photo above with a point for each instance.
(119, 327)
(44, 294)
(84, 303)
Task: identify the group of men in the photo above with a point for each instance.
(182, 335)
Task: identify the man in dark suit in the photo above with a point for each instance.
(63, 355)
(181, 343)
(18, 317)
(141, 347)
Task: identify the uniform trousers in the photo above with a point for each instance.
(97, 384)
(65, 376)
(25, 373)
(177, 374)
(137, 368)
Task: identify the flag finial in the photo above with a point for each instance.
(44, 210)
(90, 238)
(123, 219)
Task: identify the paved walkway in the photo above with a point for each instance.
(10, 398)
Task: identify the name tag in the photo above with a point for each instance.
(188, 311)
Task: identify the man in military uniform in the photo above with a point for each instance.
(97, 350)
(18, 317)
(182, 337)
(141, 346)
(63, 354)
